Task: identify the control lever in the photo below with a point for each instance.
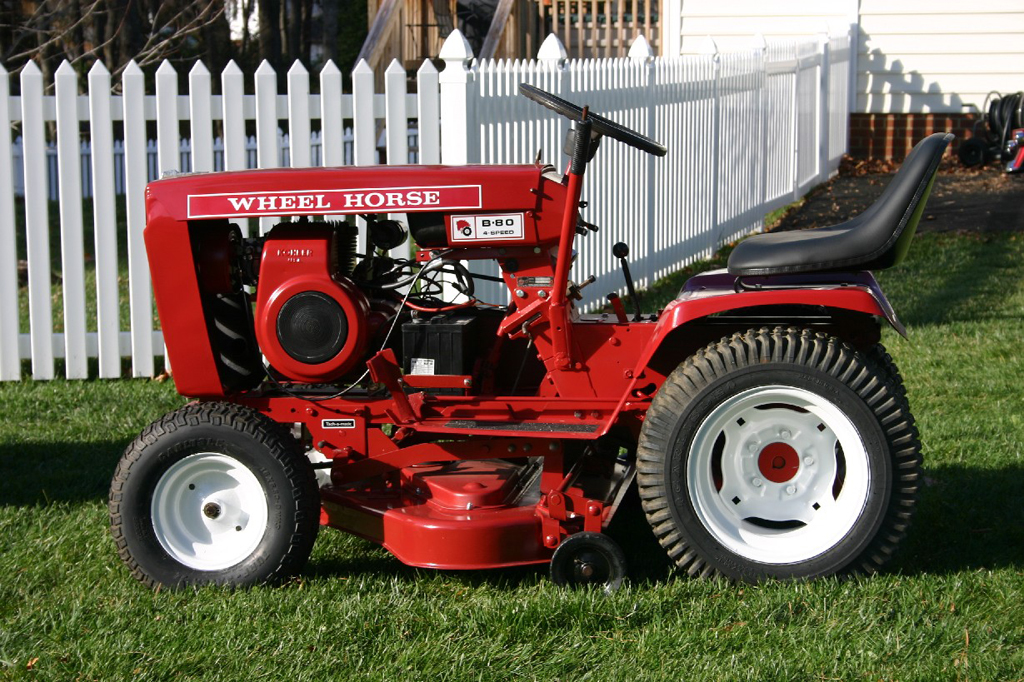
(620, 310)
(575, 289)
(621, 251)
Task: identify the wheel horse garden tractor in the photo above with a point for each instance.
(767, 430)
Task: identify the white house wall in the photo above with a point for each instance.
(913, 56)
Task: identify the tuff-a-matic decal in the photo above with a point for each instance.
(493, 227)
(334, 201)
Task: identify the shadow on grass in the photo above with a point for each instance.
(42, 473)
(967, 518)
(382, 564)
(939, 284)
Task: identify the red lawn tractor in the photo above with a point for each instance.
(767, 430)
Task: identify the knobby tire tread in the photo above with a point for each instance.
(264, 431)
(872, 374)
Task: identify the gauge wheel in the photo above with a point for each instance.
(214, 493)
(782, 454)
(589, 560)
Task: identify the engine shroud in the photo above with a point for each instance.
(312, 323)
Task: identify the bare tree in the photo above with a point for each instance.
(115, 31)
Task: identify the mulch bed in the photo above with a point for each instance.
(963, 199)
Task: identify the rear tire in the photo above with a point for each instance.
(214, 493)
(779, 454)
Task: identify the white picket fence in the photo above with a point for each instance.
(747, 132)
(185, 153)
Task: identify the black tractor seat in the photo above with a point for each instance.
(876, 239)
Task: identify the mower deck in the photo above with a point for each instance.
(452, 515)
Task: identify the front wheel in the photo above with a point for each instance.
(779, 453)
(213, 494)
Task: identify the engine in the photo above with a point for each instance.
(319, 308)
(311, 321)
(319, 305)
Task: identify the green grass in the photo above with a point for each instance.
(952, 607)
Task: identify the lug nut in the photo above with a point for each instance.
(808, 461)
(784, 433)
(752, 447)
(757, 482)
(790, 490)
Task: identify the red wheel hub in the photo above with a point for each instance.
(778, 462)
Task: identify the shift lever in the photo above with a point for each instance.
(620, 251)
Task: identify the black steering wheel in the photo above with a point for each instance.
(600, 124)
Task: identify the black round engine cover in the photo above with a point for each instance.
(312, 327)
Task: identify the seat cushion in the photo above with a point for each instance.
(877, 238)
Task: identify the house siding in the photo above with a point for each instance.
(921, 66)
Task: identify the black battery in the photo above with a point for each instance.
(441, 344)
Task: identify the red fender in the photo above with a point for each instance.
(718, 291)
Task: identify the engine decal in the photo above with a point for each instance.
(338, 423)
(334, 201)
(493, 227)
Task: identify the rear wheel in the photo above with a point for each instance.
(213, 494)
(779, 453)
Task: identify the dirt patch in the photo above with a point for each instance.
(967, 200)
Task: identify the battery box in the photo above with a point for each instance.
(441, 344)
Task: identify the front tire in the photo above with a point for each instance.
(779, 454)
(214, 493)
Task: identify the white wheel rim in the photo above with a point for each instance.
(209, 511)
(812, 451)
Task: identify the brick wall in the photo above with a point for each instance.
(892, 136)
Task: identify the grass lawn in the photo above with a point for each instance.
(951, 607)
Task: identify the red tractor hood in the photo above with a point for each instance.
(345, 190)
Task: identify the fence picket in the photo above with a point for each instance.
(135, 165)
(167, 135)
(298, 115)
(37, 224)
(72, 252)
(363, 128)
(232, 92)
(10, 357)
(104, 222)
(267, 150)
(428, 114)
(201, 118)
(331, 120)
(455, 101)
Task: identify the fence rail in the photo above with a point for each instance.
(185, 159)
(747, 132)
